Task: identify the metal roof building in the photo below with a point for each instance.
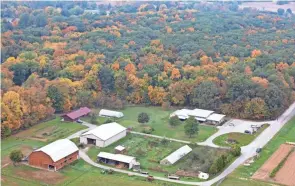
(104, 135)
(75, 115)
(54, 155)
(106, 157)
(176, 155)
(110, 113)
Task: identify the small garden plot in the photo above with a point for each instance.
(51, 130)
(150, 151)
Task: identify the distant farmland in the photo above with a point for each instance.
(267, 6)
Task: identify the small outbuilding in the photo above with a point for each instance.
(104, 135)
(119, 160)
(54, 156)
(120, 149)
(75, 115)
(110, 113)
(176, 155)
(216, 119)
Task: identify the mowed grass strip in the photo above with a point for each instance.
(242, 139)
(243, 173)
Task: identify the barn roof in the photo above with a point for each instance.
(199, 113)
(59, 149)
(106, 131)
(116, 157)
(216, 117)
(78, 113)
(110, 113)
(178, 154)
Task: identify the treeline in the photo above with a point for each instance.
(206, 56)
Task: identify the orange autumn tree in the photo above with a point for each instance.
(175, 74)
(156, 94)
(255, 53)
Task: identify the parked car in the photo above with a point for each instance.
(258, 150)
(248, 132)
(79, 121)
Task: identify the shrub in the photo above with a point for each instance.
(93, 118)
(143, 117)
(235, 150)
(16, 156)
(174, 121)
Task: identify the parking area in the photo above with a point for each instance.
(234, 125)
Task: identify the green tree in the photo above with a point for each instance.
(57, 98)
(281, 11)
(41, 20)
(143, 117)
(93, 118)
(24, 20)
(16, 156)
(191, 126)
(106, 77)
(235, 150)
(174, 121)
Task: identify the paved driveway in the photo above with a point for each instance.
(77, 134)
(234, 125)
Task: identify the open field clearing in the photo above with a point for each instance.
(241, 139)
(264, 171)
(267, 6)
(50, 130)
(159, 122)
(243, 173)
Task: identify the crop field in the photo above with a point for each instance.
(150, 151)
(159, 122)
(243, 173)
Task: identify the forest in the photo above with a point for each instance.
(59, 56)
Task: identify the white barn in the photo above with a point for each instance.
(109, 158)
(216, 119)
(176, 155)
(199, 114)
(110, 113)
(104, 135)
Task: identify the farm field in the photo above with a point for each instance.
(159, 122)
(264, 171)
(286, 173)
(241, 139)
(150, 151)
(243, 173)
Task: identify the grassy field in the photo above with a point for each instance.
(241, 138)
(159, 121)
(76, 174)
(150, 151)
(242, 174)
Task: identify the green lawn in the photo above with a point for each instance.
(159, 121)
(244, 172)
(242, 139)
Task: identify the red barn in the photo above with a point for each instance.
(54, 156)
(75, 115)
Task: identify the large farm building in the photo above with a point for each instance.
(201, 115)
(104, 135)
(54, 156)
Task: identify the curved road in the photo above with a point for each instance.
(247, 151)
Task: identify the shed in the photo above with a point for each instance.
(75, 115)
(216, 119)
(55, 155)
(116, 159)
(110, 113)
(104, 135)
(176, 155)
(120, 149)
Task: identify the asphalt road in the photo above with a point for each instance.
(247, 151)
